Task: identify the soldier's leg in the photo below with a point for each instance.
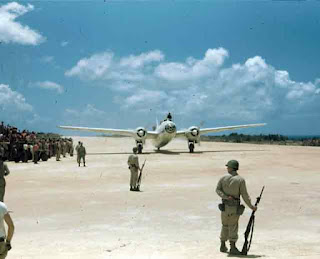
(131, 179)
(233, 227)
(135, 180)
(224, 234)
(35, 157)
(233, 232)
(84, 160)
(3, 250)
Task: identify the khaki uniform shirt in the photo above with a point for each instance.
(233, 185)
(82, 151)
(133, 161)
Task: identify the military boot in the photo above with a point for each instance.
(233, 249)
(84, 164)
(223, 248)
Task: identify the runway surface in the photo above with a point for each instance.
(64, 211)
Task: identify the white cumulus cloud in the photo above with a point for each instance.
(104, 66)
(14, 108)
(89, 115)
(12, 101)
(94, 67)
(247, 92)
(13, 31)
(140, 60)
(145, 98)
(192, 68)
(48, 85)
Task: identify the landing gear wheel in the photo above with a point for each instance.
(191, 147)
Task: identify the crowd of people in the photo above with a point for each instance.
(16, 145)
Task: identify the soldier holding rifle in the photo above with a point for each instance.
(133, 163)
(229, 188)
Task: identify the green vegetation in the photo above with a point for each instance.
(264, 139)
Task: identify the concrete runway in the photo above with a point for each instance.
(64, 211)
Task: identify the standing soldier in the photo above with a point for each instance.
(63, 147)
(71, 147)
(82, 154)
(229, 188)
(35, 153)
(4, 171)
(77, 150)
(58, 150)
(133, 163)
(47, 148)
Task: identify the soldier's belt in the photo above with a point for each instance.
(235, 202)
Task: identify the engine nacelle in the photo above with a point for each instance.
(141, 134)
(193, 134)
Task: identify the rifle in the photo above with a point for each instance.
(139, 178)
(250, 227)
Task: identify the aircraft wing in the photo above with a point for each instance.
(121, 132)
(219, 129)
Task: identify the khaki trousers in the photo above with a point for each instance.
(229, 219)
(83, 159)
(134, 177)
(58, 155)
(3, 250)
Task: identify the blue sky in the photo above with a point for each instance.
(122, 64)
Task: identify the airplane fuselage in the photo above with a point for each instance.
(166, 132)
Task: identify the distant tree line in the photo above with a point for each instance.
(264, 139)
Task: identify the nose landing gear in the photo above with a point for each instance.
(191, 146)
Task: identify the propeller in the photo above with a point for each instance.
(200, 126)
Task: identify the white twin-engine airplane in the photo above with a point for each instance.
(163, 133)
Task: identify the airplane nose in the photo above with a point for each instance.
(195, 132)
(170, 128)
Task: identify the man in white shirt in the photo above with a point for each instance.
(5, 239)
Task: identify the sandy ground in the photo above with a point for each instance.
(64, 211)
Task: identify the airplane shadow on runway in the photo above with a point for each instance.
(169, 152)
(246, 256)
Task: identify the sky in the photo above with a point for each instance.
(124, 64)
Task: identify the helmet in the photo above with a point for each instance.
(234, 164)
(135, 150)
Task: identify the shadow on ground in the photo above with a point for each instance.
(246, 256)
(168, 152)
